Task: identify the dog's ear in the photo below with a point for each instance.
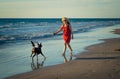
(40, 44)
(37, 43)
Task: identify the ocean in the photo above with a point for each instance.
(16, 34)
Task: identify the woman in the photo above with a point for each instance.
(67, 34)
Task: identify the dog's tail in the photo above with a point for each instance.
(32, 44)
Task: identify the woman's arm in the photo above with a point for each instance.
(60, 29)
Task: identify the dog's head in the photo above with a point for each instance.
(39, 45)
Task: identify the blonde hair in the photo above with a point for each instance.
(66, 19)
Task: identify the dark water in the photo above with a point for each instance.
(13, 30)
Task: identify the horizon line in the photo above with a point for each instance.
(58, 18)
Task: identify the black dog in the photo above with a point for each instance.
(37, 50)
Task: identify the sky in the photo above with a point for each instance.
(59, 8)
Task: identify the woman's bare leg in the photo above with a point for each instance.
(69, 47)
(65, 47)
(70, 56)
(65, 59)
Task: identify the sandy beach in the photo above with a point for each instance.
(100, 61)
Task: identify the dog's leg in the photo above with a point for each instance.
(33, 57)
(31, 54)
(37, 57)
(43, 55)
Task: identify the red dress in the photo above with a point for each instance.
(66, 33)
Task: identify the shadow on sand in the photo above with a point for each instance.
(98, 58)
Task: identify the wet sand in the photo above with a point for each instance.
(100, 61)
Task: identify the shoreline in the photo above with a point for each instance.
(101, 61)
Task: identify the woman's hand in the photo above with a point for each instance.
(60, 29)
(54, 33)
(72, 37)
